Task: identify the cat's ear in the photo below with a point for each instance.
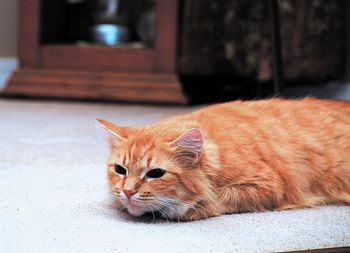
(189, 144)
(115, 133)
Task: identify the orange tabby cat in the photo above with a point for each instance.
(234, 157)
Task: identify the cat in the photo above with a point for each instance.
(241, 156)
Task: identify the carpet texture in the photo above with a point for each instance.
(53, 194)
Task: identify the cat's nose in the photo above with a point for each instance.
(129, 193)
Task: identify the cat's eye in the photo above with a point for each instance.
(155, 173)
(120, 169)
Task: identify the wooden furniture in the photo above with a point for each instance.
(97, 72)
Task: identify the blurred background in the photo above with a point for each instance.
(173, 51)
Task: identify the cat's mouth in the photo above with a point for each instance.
(134, 208)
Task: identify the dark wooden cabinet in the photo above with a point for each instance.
(219, 49)
(68, 70)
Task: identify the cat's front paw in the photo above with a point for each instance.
(193, 215)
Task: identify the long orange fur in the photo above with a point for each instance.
(260, 155)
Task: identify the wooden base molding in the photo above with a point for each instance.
(126, 86)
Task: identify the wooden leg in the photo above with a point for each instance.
(276, 46)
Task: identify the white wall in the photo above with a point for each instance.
(8, 28)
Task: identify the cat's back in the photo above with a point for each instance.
(275, 118)
(278, 122)
(251, 110)
(307, 112)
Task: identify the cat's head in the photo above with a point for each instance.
(155, 168)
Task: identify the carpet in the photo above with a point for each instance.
(53, 194)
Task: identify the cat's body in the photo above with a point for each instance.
(235, 157)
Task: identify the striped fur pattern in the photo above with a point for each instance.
(234, 157)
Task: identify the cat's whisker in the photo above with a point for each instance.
(162, 213)
(200, 209)
(167, 206)
(178, 207)
(197, 205)
(154, 217)
(178, 202)
(175, 206)
(152, 208)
